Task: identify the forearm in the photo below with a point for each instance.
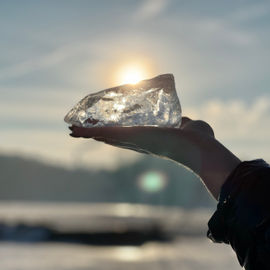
(217, 164)
(209, 159)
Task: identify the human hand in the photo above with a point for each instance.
(146, 139)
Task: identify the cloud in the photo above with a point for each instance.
(150, 9)
(224, 31)
(251, 12)
(35, 64)
(48, 59)
(245, 127)
(35, 108)
(211, 30)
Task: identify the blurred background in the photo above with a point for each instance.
(78, 204)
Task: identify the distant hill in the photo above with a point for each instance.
(30, 180)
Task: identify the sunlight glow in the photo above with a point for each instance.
(132, 70)
(131, 75)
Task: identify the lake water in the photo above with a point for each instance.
(189, 249)
(183, 253)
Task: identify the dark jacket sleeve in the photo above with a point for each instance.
(242, 218)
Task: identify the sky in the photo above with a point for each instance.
(53, 53)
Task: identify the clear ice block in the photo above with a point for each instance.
(152, 102)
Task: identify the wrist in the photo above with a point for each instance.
(218, 164)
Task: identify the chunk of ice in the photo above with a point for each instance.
(152, 102)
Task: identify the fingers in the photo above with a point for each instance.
(102, 132)
(149, 139)
(184, 121)
(164, 142)
(83, 132)
(120, 133)
(116, 133)
(178, 144)
(128, 146)
(140, 139)
(198, 127)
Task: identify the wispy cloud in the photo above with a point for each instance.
(45, 60)
(150, 9)
(223, 31)
(250, 12)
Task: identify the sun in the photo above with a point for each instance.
(132, 71)
(131, 75)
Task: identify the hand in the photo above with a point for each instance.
(163, 142)
(193, 145)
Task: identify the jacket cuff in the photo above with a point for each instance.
(242, 207)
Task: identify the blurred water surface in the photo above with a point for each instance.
(183, 253)
(188, 248)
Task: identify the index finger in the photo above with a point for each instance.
(117, 133)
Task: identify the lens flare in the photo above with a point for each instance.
(152, 181)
